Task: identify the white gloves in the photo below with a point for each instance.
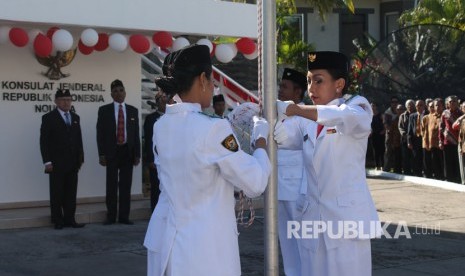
(261, 129)
(281, 109)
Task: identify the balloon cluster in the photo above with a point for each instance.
(56, 39)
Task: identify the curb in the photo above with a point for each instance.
(418, 180)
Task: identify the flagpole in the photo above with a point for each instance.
(267, 32)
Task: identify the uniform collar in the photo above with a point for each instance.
(337, 101)
(183, 107)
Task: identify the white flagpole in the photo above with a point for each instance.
(267, 33)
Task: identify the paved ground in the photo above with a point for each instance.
(435, 217)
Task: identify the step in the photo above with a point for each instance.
(85, 213)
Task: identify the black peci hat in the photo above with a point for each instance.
(193, 55)
(62, 93)
(328, 60)
(116, 83)
(218, 98)
(295, 76)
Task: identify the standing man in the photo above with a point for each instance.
(388, 117)
(219, 105)
(407, 156)
(448, 139)
(62, 154)
(291, 174)
(160, 101)
(118, 145)
(414, 137)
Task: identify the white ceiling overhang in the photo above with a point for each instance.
(192, 17)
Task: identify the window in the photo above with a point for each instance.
(390, 22)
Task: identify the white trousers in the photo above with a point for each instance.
(352, 257)
(289, 246)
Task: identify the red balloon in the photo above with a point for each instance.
(18, 37)
(84, 49)
(51, 31)
(102, 43)
(245, 45)
(139, 43)
(42, 45)
(163, 39)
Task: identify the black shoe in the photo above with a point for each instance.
(108, 222)
(126, 221)
(58, 226)
(75, 225)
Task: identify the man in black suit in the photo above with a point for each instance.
(160, 100)
(62, 154)
(118, 145)
(414, 138)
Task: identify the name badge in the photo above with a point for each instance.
(330, 131)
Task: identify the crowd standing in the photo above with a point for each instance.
(423, 138)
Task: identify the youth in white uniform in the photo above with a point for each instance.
(334, 159)
(291, 174)
(193, 228)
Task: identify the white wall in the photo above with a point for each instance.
(325, 35)
(21, 169)
(205, 17)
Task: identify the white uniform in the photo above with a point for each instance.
(291, 183)
(193, 229)
(337, 190)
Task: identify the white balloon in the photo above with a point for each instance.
(224, 53)
(89, 37)
(233, 47)
(179, 43)
(4, 34)
(118, 42)
(253, 55)
(32, 35)
(204, 41)
(62, 40)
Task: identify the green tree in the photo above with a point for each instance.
(444, 12)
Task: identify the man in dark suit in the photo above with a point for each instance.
(160, 100)
(118, 145)
(414, 138)
(62, 154)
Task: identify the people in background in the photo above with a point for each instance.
(448, 139)
(377, 137)
(160, 100)
(414, 137)
(118, 144)
(219, 106)
(403, 129)
(62, 154)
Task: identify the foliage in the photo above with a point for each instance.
(444, 12)
(358, 70)
(290, 46)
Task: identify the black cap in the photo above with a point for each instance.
(62, 93)
(328, 60)
(116, 83)
(192, 55)
(295, 76)
(218, 98)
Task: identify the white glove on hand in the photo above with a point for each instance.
(280, 132)
(261, 129)
(281, 109)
